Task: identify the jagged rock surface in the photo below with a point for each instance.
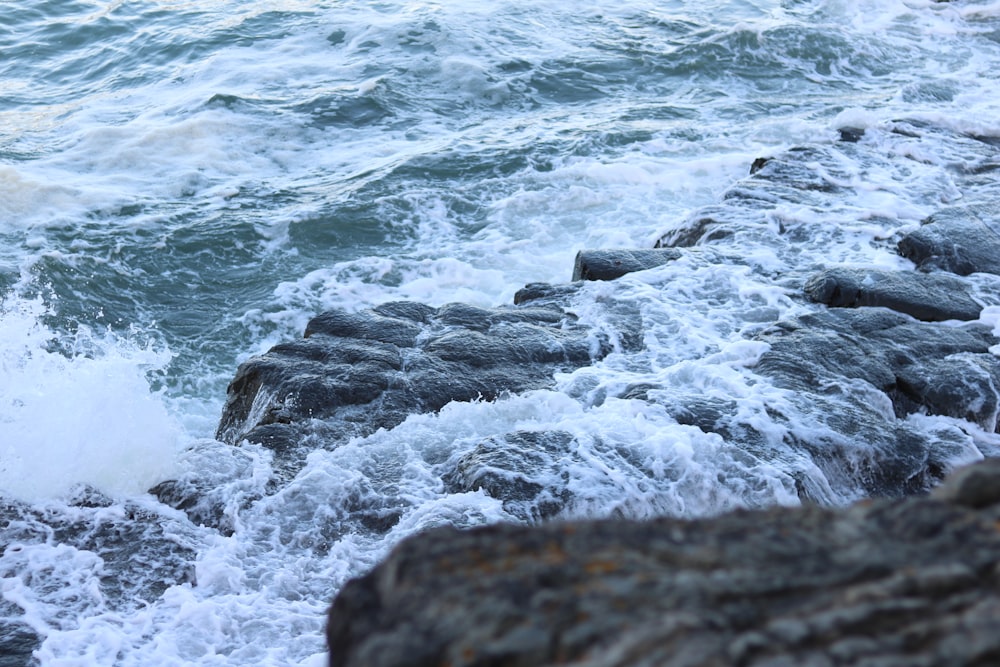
(910, 582)
(891, 352)
(124, 556)
(370, 370)
(525, 469)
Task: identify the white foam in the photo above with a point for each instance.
(87, 418)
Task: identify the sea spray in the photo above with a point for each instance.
(85, 415)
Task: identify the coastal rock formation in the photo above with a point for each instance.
(364, 371)
(904, 582)
(961, 240)
(891, 353)
(525, 469)
(933, 297)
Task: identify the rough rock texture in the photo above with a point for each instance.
(961, 240)
(892, 353)
(369, 370)
(933, 297)
(905, 583)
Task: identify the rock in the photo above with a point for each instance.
(902, 582)
(813, 193)
(961, 240)
(851, 134)
(803, 176)
(544, 293)
(110, 558)
(855, 390)
(932, 297)
(920, 367)
(974, 486)
(611, 264)
(526, 470)
(358, 372)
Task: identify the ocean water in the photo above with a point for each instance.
(183, 185)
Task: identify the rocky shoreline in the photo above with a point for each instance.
(889, 379)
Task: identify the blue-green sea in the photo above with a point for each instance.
(184, 184)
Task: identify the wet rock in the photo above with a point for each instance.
(611, 264)
(856, 389)
(904, 359)
(526, 470)
(813, 193)
(854, 381)
(107, 556)
(881, 582)
(802, 176)
(545, 293)
(932, 297)
(358, 372)
(851, 134)
(961, 240)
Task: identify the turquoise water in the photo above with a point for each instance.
(184, 184)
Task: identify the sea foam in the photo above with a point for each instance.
(78, 417)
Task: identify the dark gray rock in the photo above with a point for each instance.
(358, 372)
(527, 470)
(907, 582)
(611, 264)
(851, 134)
(932, 297)
(545, 293)
(974, 486)
(803, 176)
(919, 367)
(853, 377)
(854, 385)
(881, 347)
(961, 240)
(818, 178)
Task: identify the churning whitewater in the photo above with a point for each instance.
(185, 185)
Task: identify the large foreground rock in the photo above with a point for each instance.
(906, 583)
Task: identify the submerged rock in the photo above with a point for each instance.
(364, 371)
(526, 470)
(108, 557)
(907, 582)
(17, 640)
(932, 297)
